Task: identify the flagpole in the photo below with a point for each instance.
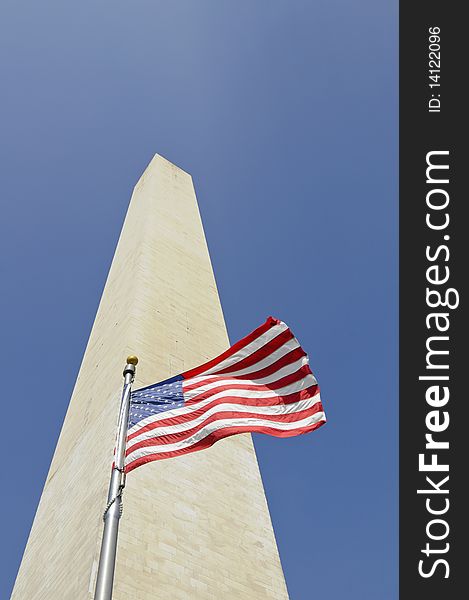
(112, 514)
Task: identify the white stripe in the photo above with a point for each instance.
(287, 347)
(264, 392)
(277, 409)
(223, 379)
(245, 351)
(292, 388)
(222, 424)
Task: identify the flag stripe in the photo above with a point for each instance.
(306, 380)
(198, 409)
(253, 340)
(249, 357)
(280, 412)
(205, 391)
(255, 351)
(281, 372)
(222, 416)
(291, 344)
(240, 424)
(278, 359)
(298, 386)
(211, 439)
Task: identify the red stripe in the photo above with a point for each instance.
(172, 438)
(218, 435)
(260, 354)
(309, 392)
(284, 361)
(247, 385)
(270, 322)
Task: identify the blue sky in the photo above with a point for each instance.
(285, 113)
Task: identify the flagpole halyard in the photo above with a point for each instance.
(113, 511)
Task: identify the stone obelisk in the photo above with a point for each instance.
(196, 527)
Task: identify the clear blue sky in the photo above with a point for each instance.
(285, 113)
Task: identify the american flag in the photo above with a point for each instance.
(261, 384)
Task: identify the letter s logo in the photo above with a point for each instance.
(433, 569)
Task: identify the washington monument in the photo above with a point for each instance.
(196, 527)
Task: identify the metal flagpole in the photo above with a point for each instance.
(112, 514)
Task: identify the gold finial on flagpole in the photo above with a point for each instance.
(132, 360)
